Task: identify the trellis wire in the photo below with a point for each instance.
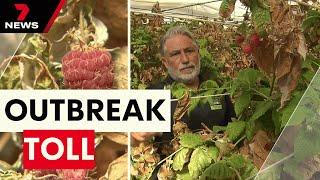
(306, 4)
(174, 13)
(234, 23)
(190, 5)
(199, 97)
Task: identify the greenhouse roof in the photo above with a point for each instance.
(199, 9)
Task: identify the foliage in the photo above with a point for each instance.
(262, 106)
(219, 55)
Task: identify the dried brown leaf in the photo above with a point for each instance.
(288, 83)
(121, 68)
(264, 56)
(257, 147)
(4, 165)
(106, 152)
(182, 107)
(165, 173)
(120, 138)
(118, 169)
(302, 46)
(114, 15)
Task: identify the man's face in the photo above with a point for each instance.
(181, 58)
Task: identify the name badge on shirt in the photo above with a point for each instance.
(216, 105)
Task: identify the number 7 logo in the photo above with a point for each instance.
(24, 11)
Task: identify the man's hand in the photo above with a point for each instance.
(143, 136)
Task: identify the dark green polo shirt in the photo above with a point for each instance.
(203, 113)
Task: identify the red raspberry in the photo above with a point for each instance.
(255, 40)
(91, 69)
(72, 174)
(247, 49)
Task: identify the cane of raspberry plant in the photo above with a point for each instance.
(88, 69)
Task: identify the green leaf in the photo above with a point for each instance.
(276, 121)
(243, 28)
(11, 77)
(209, 85)
(292, 168)
(198, 162)
(246, 80)
(261, 16)
(193, 104)
(288, 110)
(236, 161)
(301, 114)
(308, 75)
(235, 130)
(217, 129)
(313, 18)
(261, 108)
(242, 102)
(264, 91)
(250, 129)
(226, 8)
(180, 159)
(178, 90)
(190, 140)
(250, 171)
(307, 142)
(184, 175)
(213, 152)
(218, 170)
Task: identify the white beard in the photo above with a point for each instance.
(184, 78)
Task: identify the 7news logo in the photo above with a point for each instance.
(28, 16)
(19, 24)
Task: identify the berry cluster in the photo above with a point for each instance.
(249, 45)
(89, 69)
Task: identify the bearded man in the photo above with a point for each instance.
(180, 55)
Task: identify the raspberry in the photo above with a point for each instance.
(78, 174)
(255, 40)
(89, 69)
(247, 49)
(239, 39)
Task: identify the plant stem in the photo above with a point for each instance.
(316, 63)
(237, 172)
(260, 94)
(206, 128)
(242, 138)
(273, 82)
(169, 156)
